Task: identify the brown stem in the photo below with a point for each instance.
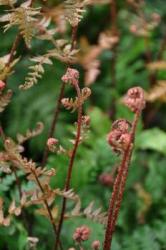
(114, 31)
(70, 167)
(74, 37)
(15, 44)
(162, 48)
(58, 103)
(118, 189)
(148, 53)
(13, 49)
(17, 182)
(113, 13)
(2, 134)
(54, 122)
(47, 206)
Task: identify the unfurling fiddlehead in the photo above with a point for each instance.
(121, 139)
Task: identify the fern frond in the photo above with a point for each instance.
(158, 92)
(159, 65)
(13, 151)
(5, 69)
(5, 99)
(63, 52)
(74, 10)
(36, 71)
(44, 32)
(70, 103)
(25, 18)
(73, 104)
(7, 2)
(30, 133)
(71, 196)
(95, 215)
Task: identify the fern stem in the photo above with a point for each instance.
(2, 134)
(17, 182)
(13, 49)
(114, 30)
(119, 186)
(74, 37)
(16, 43)
(70, 167)
(47, 207)
(58, 103)
(54, 122)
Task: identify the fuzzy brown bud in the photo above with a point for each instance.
(119, 137)
(81, 233)
(121, 124)
(51, 144)
(135, 99)
(71, 76)
(106, 179)
(96, 245)
(86, 120)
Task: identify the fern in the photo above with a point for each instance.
(36, 71)
(159, 65)
(5, 99)
(24, 18)
(95, 215)
(7, 2)
(73, 104)
(74, 10)
(62, 51)
(5, 69)
(30, 133)
(158, 92)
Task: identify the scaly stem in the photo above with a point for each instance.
(58, 103)
(70, 167)
(118, 189)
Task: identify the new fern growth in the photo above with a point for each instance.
(121, 139)
(24, 17)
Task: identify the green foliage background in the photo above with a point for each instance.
(148, 167)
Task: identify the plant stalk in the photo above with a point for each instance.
(70, 167)
(118, 188)
(58, 103)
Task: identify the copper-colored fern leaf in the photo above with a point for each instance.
(74, 10)
(158, 92)
(30, 133)
(25, 18)
(5, 99)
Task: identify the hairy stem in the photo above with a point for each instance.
(118, 188)
(70, 167)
